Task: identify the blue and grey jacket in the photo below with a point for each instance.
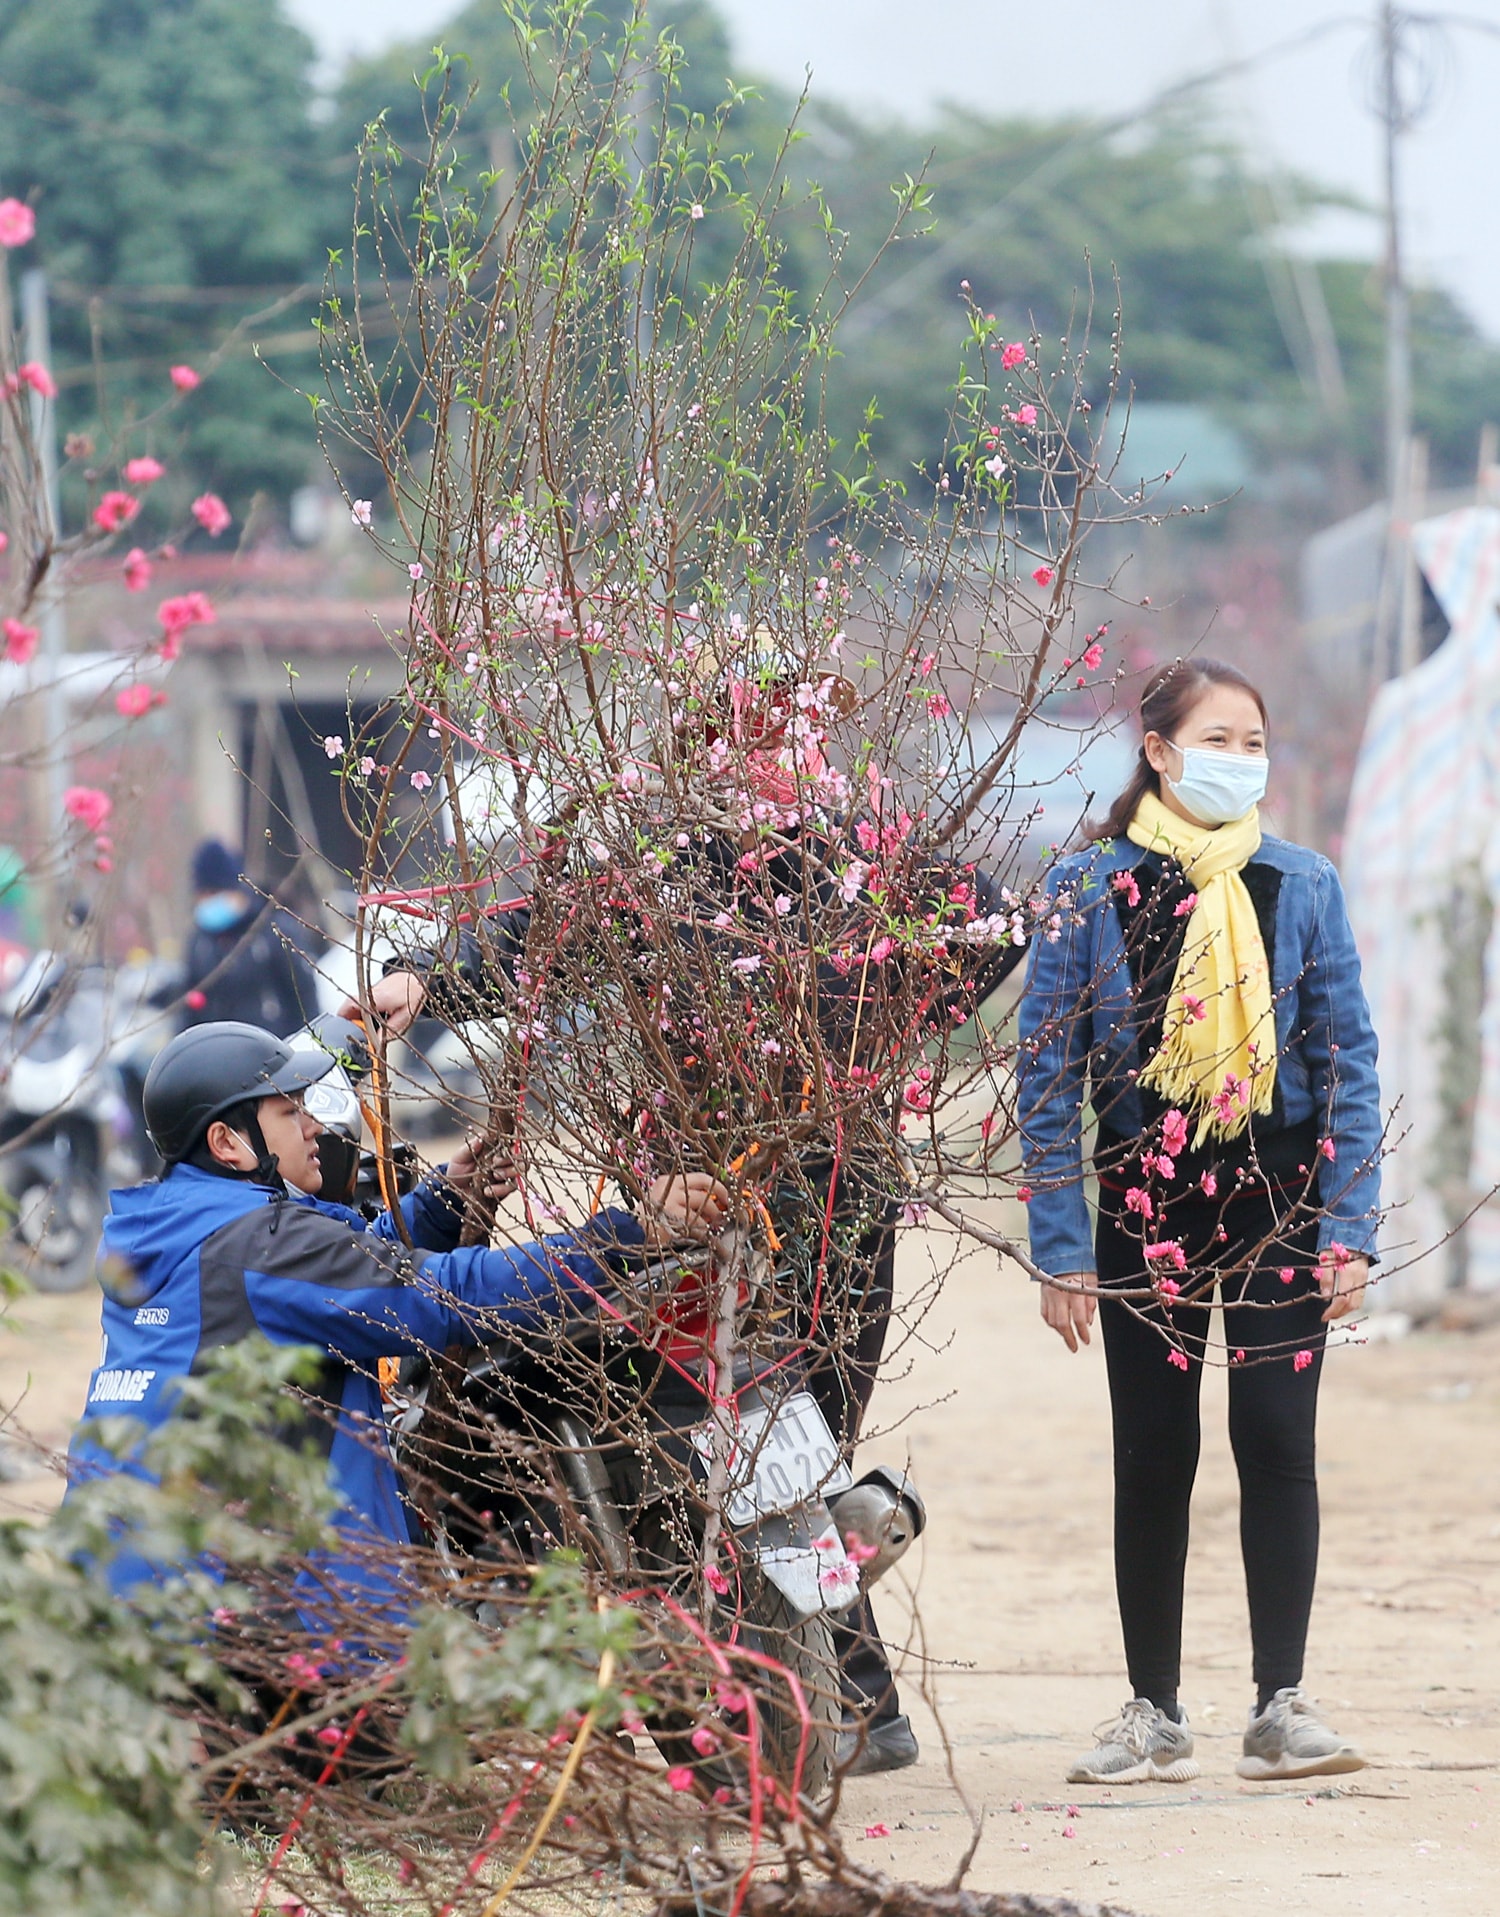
(1081, 1028)
(195, 1262)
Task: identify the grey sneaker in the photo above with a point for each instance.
(1289, 1739)
(1141, 1746)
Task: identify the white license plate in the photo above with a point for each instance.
(781, 1458)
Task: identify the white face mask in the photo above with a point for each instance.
(1219, 787)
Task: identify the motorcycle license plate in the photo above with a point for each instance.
(783, 1455)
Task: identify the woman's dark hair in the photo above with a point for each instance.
(1169, 696)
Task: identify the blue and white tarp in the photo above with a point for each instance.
(1423, 838)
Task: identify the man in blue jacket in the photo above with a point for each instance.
(214, 1251)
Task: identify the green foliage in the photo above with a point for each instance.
(171, 144)
(403, 85)
(99, 1813)
(463, 1680)
(97, 1794)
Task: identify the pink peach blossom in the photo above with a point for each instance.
(187, 609)
(89, 806)
(132, 701)
(36, 376)
(211, 514)
(1043, 575)
(1178, 1358)
(185, 379)
(20, 642)
(1013, 356)
(1230, 1100)
(143, 471)
(17, 223)
(115, 511)
(1302, 1360)
(680, 1777)
(137, 570)
(1174, 1132)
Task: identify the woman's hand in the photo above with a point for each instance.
(1070, 1313)
(395, 1000)
(694, 1206)
(1342, 1277)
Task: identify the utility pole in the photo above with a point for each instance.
(1395, 122)
(1399, 591)
(37, 344)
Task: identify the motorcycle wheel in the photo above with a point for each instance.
(805, 1650)
(802, 1649)
(55, 1233)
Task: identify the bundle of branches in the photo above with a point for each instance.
(282, 1718)
(733, 716)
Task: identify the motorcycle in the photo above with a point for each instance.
(726, 1509)
(68, 1036)
(662, 1430)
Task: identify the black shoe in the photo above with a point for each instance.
(890, 1745)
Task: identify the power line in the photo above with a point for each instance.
(955, 252)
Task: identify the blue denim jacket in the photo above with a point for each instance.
(1078, 1026)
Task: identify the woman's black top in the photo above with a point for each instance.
(1154, 929)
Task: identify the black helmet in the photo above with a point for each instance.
(208, 1069)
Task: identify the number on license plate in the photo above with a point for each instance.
(783, 1455)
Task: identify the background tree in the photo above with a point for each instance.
(171, 150)
(189, 173)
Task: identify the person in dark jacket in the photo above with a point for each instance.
(215, 1250)
(1204, 991)
(848, 1194)
(245, 957)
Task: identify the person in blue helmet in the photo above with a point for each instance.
(215, 1250)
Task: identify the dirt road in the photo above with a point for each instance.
(1015, 1598)
(1015, 1601)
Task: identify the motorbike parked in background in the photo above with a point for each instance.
(75, 1041)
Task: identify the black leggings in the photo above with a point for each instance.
(1272, 1418)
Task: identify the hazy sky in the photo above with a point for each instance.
(1307, 108)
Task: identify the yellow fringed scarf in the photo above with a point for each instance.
(1218, 1049)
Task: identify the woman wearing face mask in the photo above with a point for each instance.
(1205, 992)
(245, 959)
